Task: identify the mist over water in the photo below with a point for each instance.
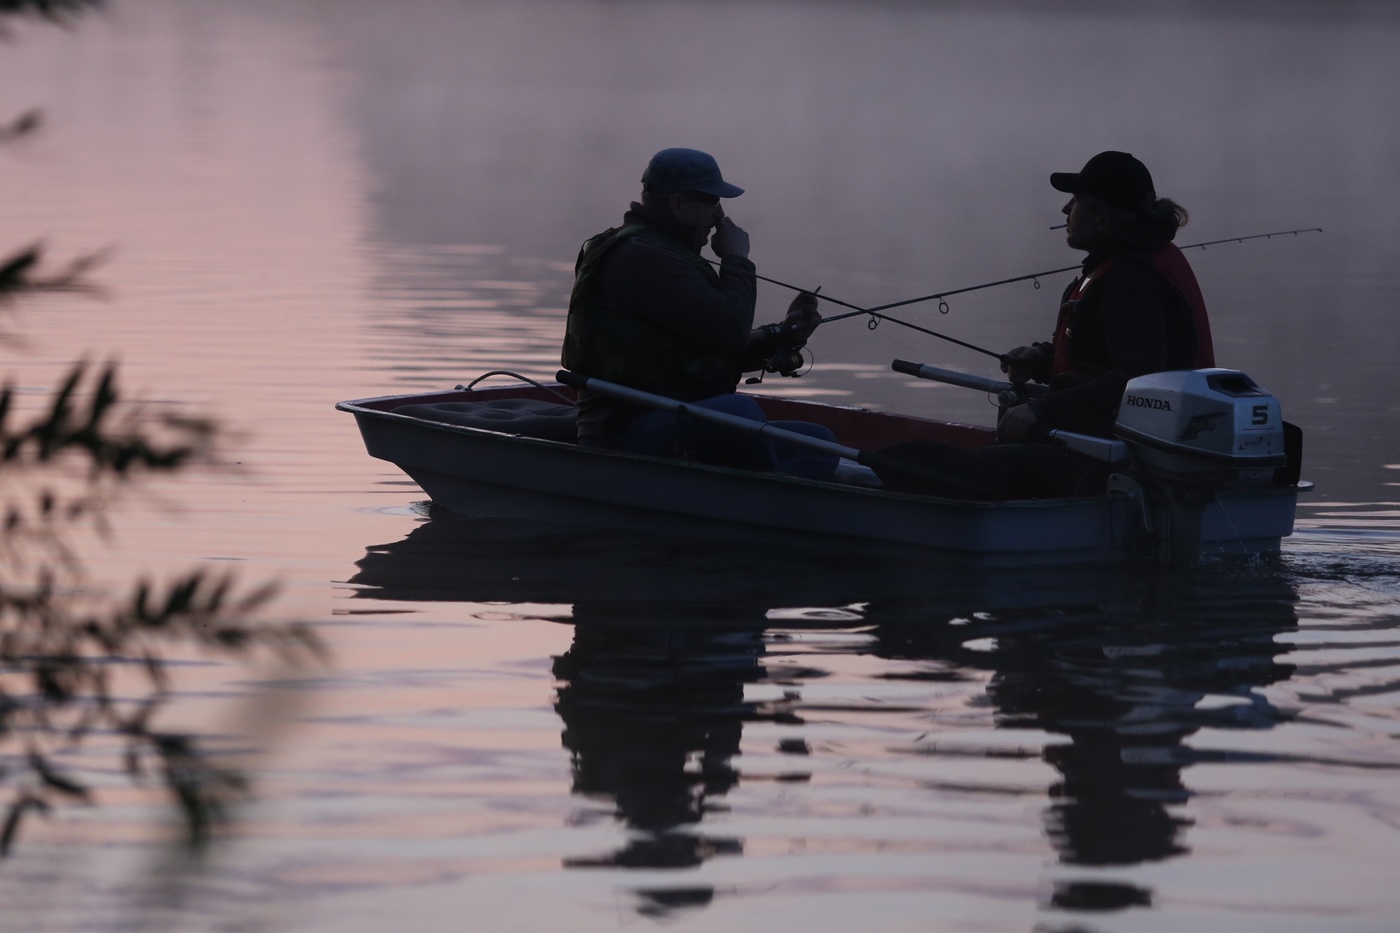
(531, 726)
(892, 150)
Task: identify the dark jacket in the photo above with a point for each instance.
(1130, 319)
(649, 312)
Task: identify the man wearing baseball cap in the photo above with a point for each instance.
(650, 312)
(1134, 309)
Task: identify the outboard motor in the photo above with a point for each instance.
(1214, 427)
(1192, 435)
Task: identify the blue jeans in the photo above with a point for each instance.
(668, 434)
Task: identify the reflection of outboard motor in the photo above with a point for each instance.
(1213, 426)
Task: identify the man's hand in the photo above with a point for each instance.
(803, 316)
(1016, 423)
(1020, 364)
(729, 239)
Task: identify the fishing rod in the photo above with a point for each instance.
(943, 305)
(856, 309)
(876, 317)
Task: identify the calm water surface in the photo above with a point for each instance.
(530, 727)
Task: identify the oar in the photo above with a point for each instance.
(1100, 448)
(1007, 393)
(905, 471)
(952, 377)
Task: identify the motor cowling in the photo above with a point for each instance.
(1213, 426)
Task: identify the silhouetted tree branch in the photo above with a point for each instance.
(72, 665)
(55, 11)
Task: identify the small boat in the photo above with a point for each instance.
(1186, 487)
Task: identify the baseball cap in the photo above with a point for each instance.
(676, 170)
(1115, 177)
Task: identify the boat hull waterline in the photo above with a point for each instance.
(477, 471)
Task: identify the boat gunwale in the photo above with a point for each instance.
(358, 408)
(363, 406)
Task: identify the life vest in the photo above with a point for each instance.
(1168, 262)
(603, 342)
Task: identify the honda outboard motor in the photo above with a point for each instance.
(1193, 436)
(1214, 427)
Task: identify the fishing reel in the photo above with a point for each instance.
(788, 359)
(786, 362)
(1015, 395)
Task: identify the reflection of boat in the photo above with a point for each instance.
(659, 578)
(456, 446)
(670, 636)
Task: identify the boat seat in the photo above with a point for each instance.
(525, 417)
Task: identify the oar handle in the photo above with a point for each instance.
(571, 379)
(951, 377)
(722, 419)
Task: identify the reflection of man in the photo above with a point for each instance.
(1118, 665)
(1135, 309)
(653, 714)
(649, 312)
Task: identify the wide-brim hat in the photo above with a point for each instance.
(672, 171)
(1114, 177)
